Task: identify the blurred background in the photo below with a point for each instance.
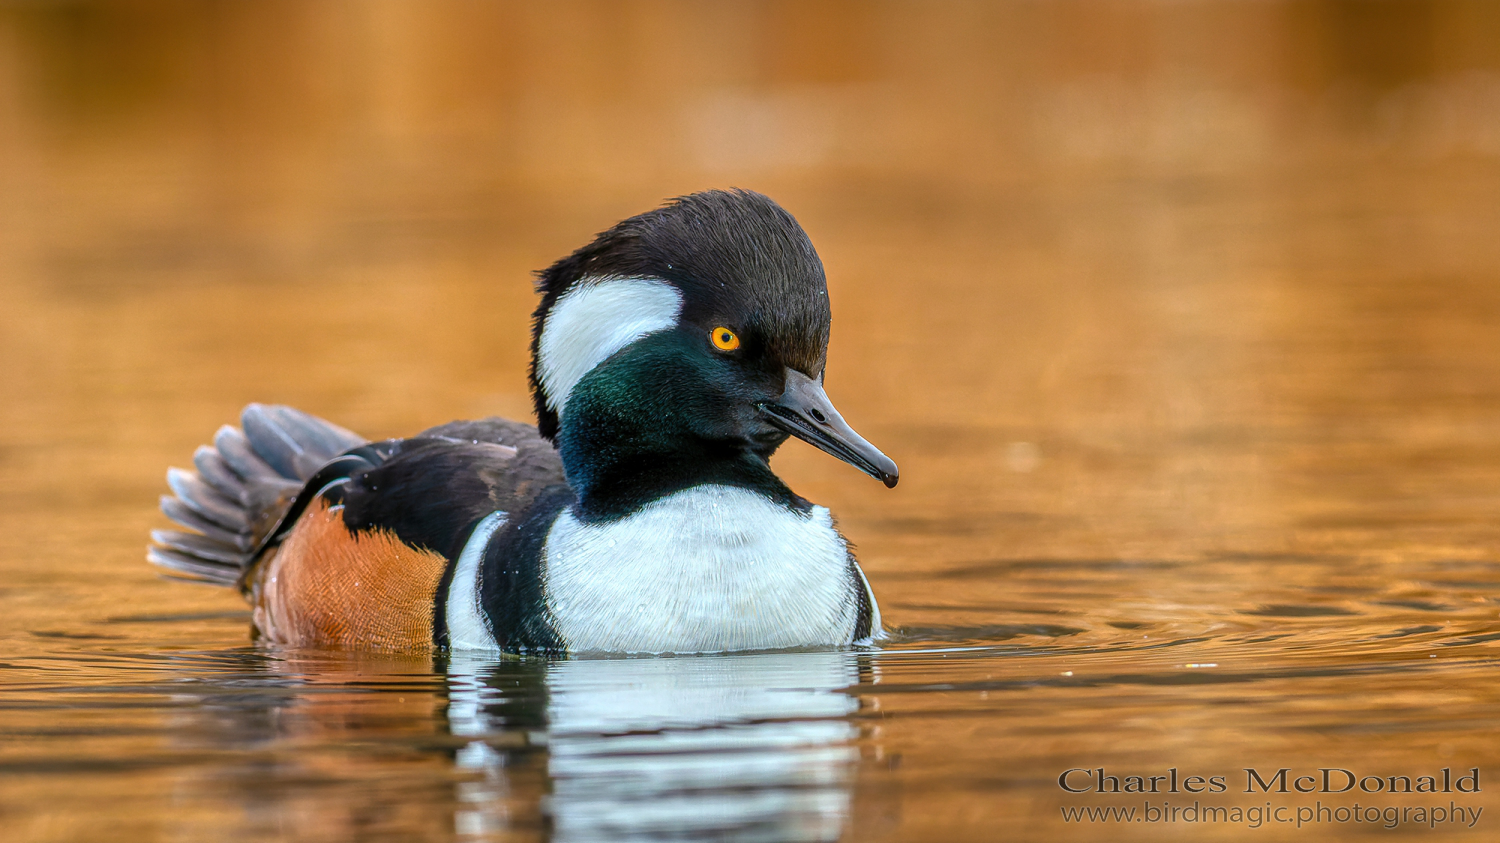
(1190, 261)
(1033, 214)
(1180, 316)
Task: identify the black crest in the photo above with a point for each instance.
(730, 252)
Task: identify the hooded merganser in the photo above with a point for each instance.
(670, 358)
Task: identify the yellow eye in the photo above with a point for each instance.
(725, 339)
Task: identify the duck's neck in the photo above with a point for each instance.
(620, 456)
(617, 464)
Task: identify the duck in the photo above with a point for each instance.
(670, 358)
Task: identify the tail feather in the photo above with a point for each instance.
(241, 487)
(182, 514)
(207, 548)
(293, 443)
(240, 457)
(215, 472)
(202, 499)
(267, 502)
(185, 567)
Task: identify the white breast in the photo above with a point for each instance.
(710, 569)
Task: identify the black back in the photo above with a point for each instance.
(430, 490)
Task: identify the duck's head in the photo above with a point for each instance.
(689, 339)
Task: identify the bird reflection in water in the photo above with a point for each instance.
(745, 747)
(321, 745)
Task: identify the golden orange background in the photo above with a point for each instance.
(1182, 320)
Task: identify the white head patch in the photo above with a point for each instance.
(592, 321)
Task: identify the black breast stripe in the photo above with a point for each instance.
(863, 612)
(440, 605)
(511, 593)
